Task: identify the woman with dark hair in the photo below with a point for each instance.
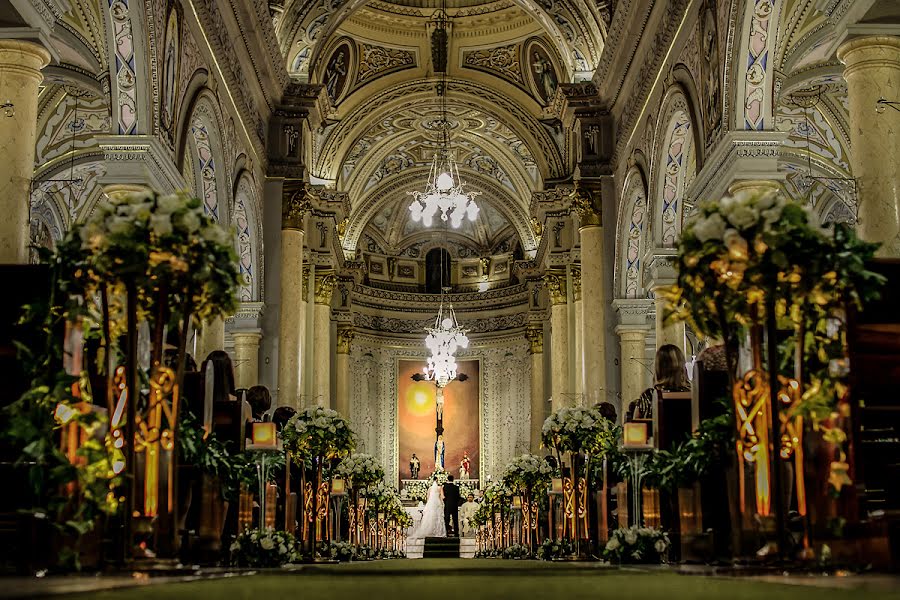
(282, 415)
(670, 376)
(260, 401)
(218, 386)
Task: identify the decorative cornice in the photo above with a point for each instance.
(365, 296)
(325, 284)
(633, 313)
(139, 159)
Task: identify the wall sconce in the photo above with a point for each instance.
(881, 105)
(338, 487)
(9, 109)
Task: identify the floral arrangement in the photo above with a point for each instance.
(482, 515)
(341, 551)
(158, 241)
(497, 498)
(318, 431)
(361, 470)
(259, 549)
(527, 472)
(552, 549)
(637, 545)
(577, 430)
(418, 489)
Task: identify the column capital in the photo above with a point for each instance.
(556, 286)
(26, 55)
(750, 155)
(345, 335)
(870, 52)
(584, 204)
(661, 266)
(139, 160)
(247, 317)
(576, 282)
(325, 284)
(534, 333)
(633, 313)
(246, 336)
(296, 201)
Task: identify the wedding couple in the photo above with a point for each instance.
(441, 508)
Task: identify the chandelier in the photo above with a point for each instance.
(443, 340)
(444, 191)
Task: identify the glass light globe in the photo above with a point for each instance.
(447, 323)
(444, 182)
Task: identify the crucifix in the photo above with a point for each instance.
(439, 447)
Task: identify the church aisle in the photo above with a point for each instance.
(448, 579)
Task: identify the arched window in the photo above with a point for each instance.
(437, 270)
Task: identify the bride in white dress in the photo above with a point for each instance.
(432, 524)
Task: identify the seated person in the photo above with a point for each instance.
(671, 376)
(260, 401)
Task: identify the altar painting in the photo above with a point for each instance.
(417, 420)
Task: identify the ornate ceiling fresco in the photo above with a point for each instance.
(506, 60)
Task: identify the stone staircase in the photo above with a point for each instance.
(441, 547)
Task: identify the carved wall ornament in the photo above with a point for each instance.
(503, 61)
(375, 61)
(576, 282)
(535, 336)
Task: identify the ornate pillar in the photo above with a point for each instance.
(295, 204)
(872, 72)
(559, 342)
(20, 75)
(535, 335)
(594, 321)
(342, 366)
(325, 283)
(632, 331)
(578, 336)
(211, 337)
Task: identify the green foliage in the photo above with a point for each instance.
(636, 545)
(517, 552)
(555, 549)
(261, 549)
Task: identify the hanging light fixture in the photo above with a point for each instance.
(444, 191)
(443, 340)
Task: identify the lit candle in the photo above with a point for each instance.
(337, 487)
(635, 434)
(264, 435)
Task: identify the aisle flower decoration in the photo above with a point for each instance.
(362, 470)
(527, 471)
(636, 545)
(576, 430)
(263, 549)
(318, 432)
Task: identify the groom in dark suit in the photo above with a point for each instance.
(450, 492)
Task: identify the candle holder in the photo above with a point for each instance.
(264, 441)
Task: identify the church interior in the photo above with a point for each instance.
(292, 279)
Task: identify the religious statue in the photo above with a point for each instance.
(464, 465)
(439, 454)
(546, 76)
(336, 70)
(414, 465)
(439, 403)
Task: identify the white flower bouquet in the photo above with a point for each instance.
(268, 548)
(527, 471)
(637, 545)
(318, 432)
(576, 430)
(361, 470)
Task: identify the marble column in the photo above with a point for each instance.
(632, 331)
(578, 337)
(662, 269)
(20, 75)
(535, 335)
(872, 72)
(594, 322)
(211, 337)
(342, 368)
(246, 358)
(295, 204)
(325, 283)
(559, 343)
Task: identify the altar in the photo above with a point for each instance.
(413, 491)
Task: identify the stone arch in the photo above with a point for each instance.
(203, 131)
(131, 101)
(674, 168)
(631, 232)
(246, 218)
(753, 70)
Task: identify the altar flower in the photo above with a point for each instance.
(168, 204)
(266, 543)
(743, 216)
(161, 224)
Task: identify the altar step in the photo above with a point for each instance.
(415, 548)
(441, 547)
(467, 547)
